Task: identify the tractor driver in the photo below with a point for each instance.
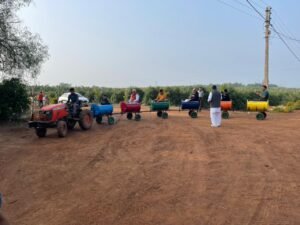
(73, 98)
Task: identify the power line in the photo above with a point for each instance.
(238, 9)
(255, 9)
(274, 29)
(284, 42)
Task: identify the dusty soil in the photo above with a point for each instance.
(178, 171)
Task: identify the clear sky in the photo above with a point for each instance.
(122, 43)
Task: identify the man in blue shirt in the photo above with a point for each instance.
(73, 98)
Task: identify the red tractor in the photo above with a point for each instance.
(61, 117)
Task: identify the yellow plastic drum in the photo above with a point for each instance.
(257, 106)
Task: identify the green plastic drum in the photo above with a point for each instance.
(160, 106)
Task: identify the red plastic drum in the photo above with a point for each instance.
(226, 105)
(130, 107)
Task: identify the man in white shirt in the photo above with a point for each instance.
(134, 97)
(214, 100)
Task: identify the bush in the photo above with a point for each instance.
(14, 99)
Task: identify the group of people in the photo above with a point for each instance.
(214, 99)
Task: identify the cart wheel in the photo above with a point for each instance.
(159, 113)
(99, 119)
(193, 114)
(111, 120)
(225, 115)
(190, 112)
(129, 116)
(137, 117)
(260, 116)
(265, 114)
(164, 115)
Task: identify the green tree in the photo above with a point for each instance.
(14, 99)
(20, 51)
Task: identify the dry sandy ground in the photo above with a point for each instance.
(178, 171)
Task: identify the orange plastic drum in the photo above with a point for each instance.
(226, 105)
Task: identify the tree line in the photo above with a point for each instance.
(239, 93)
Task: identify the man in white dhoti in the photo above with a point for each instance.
(214, 100)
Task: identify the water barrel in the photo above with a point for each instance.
(159, 106)
(226, 105)
(190, 105)
(260, 106)
(130, 107)
(100, 110)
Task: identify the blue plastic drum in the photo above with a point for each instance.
(101, 110)
(191, 105)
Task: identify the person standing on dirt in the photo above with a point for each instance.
(73, 98)
(40, 99)
(161, 97)
(201, 97)
(225, 95)
(134, 97)
(264, 96)
(214, 99)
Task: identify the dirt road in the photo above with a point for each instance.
(178, 171)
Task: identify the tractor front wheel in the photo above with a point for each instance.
(41, 132)
(85, 120)
(62, 128)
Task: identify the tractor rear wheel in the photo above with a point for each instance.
(99, 119)
(71, 124)
(41, 132)
(85, 120)
(62, 128)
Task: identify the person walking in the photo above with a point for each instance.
(214, 99)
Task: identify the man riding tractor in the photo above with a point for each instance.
(63, 117)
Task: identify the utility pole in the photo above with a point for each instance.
(267, 33)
